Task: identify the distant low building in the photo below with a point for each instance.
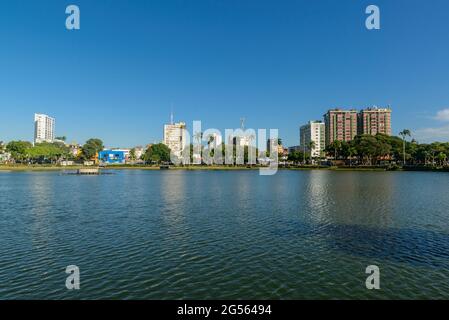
(138, 152)
(113, 156)
(75, 149)
(65, 163)
(5, 157)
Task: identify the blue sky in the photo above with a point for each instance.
(277, 63)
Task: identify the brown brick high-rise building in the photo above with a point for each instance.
(340, 125)
(375, 120)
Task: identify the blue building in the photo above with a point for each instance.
(112, 156)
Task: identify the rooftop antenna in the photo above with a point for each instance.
(171, 114)
(242, 123)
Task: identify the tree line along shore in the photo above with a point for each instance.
(43, 168)
(364, 152)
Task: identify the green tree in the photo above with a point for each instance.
(334, 148)
(132, 154)
(442, 157)
(91, 148)
(48, 152)
(295, 156)
(18, 149)
(157, 153)
(366, 147)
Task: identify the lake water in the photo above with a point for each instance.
(224, 234)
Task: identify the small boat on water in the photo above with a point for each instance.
(164, 167)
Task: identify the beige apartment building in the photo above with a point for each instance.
(175, 137)
(340, 125)
(374, 120)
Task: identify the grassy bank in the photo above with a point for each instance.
(19, 168)
(37, 168)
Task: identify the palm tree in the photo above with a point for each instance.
(279, 141)
(404, 133)
(337, 147)
(352, 152)
(198, 136)
(311, 146)
(211, 140)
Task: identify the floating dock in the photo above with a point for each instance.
(88, 171)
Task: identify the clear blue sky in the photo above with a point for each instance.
(277, 63)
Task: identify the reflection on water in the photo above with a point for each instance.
(173, 195)
(224, 234)
(354, 199)
(317, 199)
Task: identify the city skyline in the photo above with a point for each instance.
(370, 121)
(229, 158)
(174, 137)
(296, 60)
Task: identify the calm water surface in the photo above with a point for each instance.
(224, 235)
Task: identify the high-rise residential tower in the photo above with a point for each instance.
(374, 120)
(44, 128)
(340, 125)
(175, 136)
(313, 131)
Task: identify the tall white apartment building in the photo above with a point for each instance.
(44, 128)
(175, 137)
(312, 131)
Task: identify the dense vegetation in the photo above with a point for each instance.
(157, 153)
(373, 150)
(91, 148)
(25, 152)
(363, 150)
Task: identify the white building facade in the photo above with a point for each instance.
(175, 137)
(313, 131)
(44, 128)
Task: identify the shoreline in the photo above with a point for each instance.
(40, 168)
